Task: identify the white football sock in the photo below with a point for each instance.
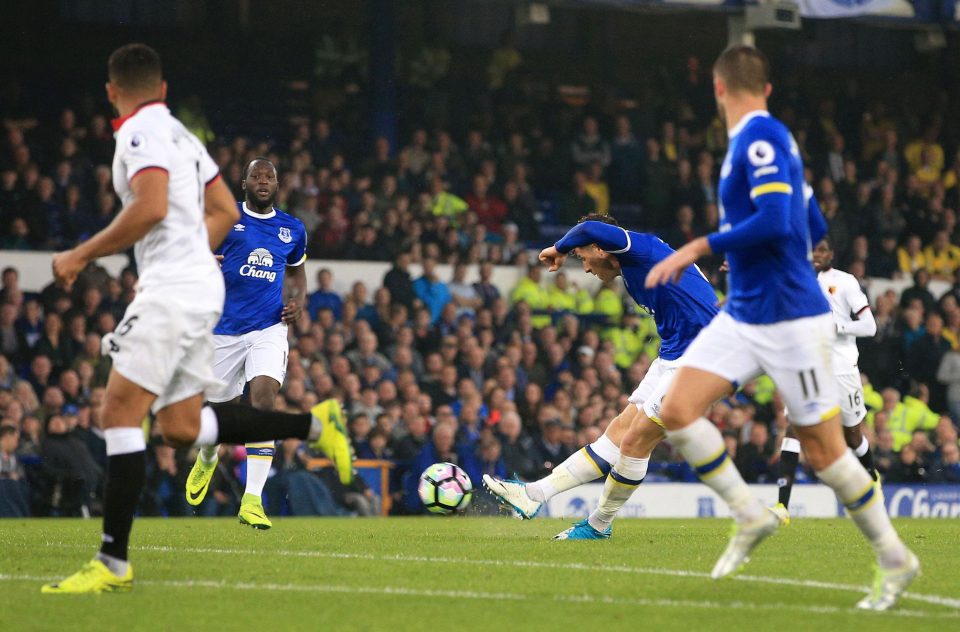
(856, 491)
(863, 448)
(587, 464)
(208, 454)
(621, 482)
(701, 444)
(209, 428)
(790, 445)
(259, 459)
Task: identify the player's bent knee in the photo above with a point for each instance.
(179, 435)
(675, 412)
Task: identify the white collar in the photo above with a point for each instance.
(246, 209)
(744, 120)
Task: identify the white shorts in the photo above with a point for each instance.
(796, 354)
(853, 408)
(239, 359)
(165, 348)
(649, 394)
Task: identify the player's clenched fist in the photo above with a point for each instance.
(552, 258)
(291, 312)
(67, 265)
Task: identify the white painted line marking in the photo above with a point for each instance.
(404, 591)
(948, 602)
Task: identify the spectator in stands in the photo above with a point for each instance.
(942, 258)
(883, 262)
(657, 178)
(578, 202)
(626, 161)
(947, 467)
(589, 146)
(529, 291)
(445, 204)
(485, 289)
(754, 457)
(923, 359)
(464, 294)
(919, 291)
(597, 188)
(490, 210)
(323, 297)
(433, 292)
(398, 281)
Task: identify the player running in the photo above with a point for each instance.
(621, 455)
(776, 320)
(250, 341)
(853, 319)
(175, 209)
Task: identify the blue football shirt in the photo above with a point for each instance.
(680, 310)
(256, 254)
(767, 226)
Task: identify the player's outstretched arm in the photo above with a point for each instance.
(610, 238)
(220, 212)
(148, 208)
(671, 268)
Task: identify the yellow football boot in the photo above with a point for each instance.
(252, 513)
(93, 578)
(199, 480)
(333, 441)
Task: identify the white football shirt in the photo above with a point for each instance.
(174, 257)
(846, 300)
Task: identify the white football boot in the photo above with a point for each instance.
(513, 494)
(889, 584)
(744, 538)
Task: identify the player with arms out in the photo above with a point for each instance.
(853, 319)
(175, 210)
(250, 341)
(622, 454)
(776, 320)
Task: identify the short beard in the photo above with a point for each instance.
(254, 203)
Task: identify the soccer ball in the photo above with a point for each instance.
(445, 489)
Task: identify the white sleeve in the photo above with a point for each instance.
(864, 325)
(209, 171)
(141, 150)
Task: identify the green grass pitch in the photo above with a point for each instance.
(469, 574)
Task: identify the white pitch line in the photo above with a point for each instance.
(404, 591)
(948, 602)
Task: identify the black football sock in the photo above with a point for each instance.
(239, 424)
(787, 469)
(866, 458)
(126, 475)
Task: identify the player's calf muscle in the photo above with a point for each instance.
(179, 423)
(822, 443)
(642, 437)
(125, 404)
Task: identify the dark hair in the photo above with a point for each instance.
(599, 217)
(254, 160)
(743, 68)
(7, 430)
(827, 240)
(135, 67)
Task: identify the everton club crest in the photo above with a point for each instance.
(285, 235)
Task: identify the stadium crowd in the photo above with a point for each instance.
(435, 368)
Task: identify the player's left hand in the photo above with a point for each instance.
(671, 269)
(67, 265)
(291, 312)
